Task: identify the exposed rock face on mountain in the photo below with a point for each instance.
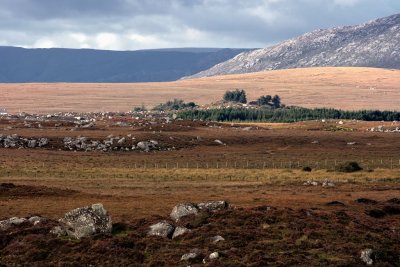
(372, 44)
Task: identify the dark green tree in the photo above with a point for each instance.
(264, 100)
(276, 101)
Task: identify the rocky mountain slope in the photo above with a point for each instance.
(88, 65)
(372, 44)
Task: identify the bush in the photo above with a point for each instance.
(236, 96)
(349, 167)
(139, 109)
(264, 100)
(306, 169)
(176, 104)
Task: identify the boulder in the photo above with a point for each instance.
(213, 206)
(179, 231)
(163, 229)
(43, 142)
(214, 256)
(36, 220)
(58, 231)
(192, 256)
(86, 221)
(216, 239)
(14, 221)
(32, 143)
(182, 210)
(366, 256)
(328, 183)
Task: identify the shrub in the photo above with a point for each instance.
(349, 167)
(176, 104)
(236, 96)
(306, 169)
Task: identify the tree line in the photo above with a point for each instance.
(289, 114)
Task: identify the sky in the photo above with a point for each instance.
(147, 24)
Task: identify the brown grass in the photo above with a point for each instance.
(344, 88)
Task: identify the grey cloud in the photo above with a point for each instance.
(175, 23)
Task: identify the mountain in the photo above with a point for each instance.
(19, 65)
(372, 44)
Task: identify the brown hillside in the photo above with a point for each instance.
(344, 88)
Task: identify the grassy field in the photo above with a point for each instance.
(341, 88)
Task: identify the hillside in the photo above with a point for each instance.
(372, 44)
(343, 88)
(85, 65)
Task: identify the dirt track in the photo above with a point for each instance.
(343, 88)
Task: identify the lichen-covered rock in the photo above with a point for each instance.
(36, 220)
(182, 210)
(213, 205)
(86, 221)
(163, 229)
(58, 231)
(366, 256)
(179, 231)
(14, 221)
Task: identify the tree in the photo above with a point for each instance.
(276, 101)
(264, 100)
(242, 97)
(236, 96)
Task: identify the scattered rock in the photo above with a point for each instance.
(214, 256)
(86, 221)
(219, 142)
(328, 183)
(216, 239)
(213, 206)
(179, 231)
(163, 229)
(183, 209)
(14, 221)
(311, 183)
(192, 256)
(37, 220)
(58, 231)
(366, 256)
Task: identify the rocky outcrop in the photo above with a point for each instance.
(83, 222)
(182, 210)
(372, 44)
(162, 229)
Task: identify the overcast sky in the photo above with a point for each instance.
(142, 24)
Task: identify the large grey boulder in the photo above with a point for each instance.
(163, 229)
(182, 210)
(86, 221)
(147, 146)
(179, 231)
(213, 206)
(32, 143)
(14, 221)
(43, 142)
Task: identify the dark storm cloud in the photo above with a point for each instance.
(136, 24)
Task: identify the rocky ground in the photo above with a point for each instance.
(214, 234)
(55, 167)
